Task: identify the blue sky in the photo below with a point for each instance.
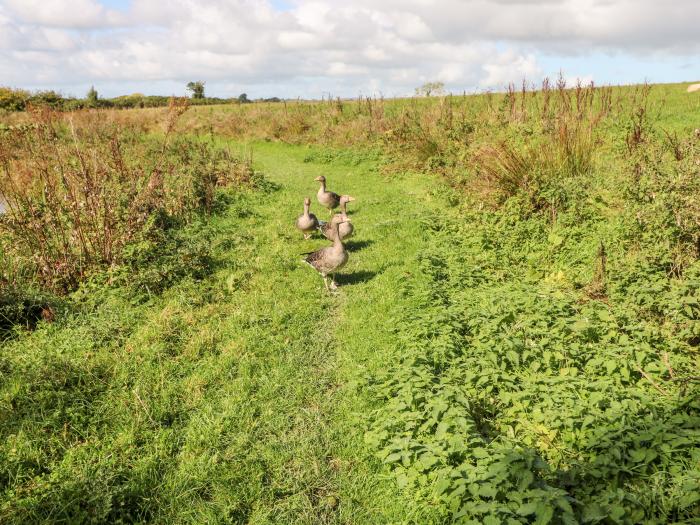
(116, 4)
(300, 48)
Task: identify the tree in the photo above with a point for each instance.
(92, 96)
(243, 98)
(196, 88)
(431, 88)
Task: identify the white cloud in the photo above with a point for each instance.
(327, 45)
(509, 67)
(60, 13)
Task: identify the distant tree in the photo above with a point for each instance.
(243, 98)
(196, 88)
(431, 88)
(92, 96)
(13, 99)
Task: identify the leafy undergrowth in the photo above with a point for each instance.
(524, 394)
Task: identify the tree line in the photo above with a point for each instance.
(13, 99)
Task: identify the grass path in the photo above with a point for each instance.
(236, 399)
(329, 341)
(229, 400)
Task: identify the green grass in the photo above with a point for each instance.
(471, 368)
(229, 400)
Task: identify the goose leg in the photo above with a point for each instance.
(325, 282)
(334, 285)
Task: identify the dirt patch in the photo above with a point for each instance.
(693, 87)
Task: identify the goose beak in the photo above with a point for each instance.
(350, 199)
(318, 179)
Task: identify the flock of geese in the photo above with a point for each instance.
(330, 259)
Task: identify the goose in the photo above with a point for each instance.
(327, 199)
(330, 259)
(307, 222)
(345, 229)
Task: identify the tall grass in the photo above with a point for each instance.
(498, 144)
(546, 172)
(79, 190)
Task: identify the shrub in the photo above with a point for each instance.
(663, 191)
(79, 192)
(549, 173)
(13, 99)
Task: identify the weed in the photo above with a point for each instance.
(77, 195)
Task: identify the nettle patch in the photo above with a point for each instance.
(516, 400)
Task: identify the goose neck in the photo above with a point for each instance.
(336, 237)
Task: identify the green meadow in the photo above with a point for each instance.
(515, 338)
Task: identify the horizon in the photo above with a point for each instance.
(531, 87)
(313, 49)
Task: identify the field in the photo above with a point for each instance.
(515, 339)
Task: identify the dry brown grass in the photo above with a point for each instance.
(80, 187)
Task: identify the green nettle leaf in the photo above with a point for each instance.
(480, 453)
(543, 513)
(428, 460)
(588, 420)
(491, 520)
(564, 505)
(487, 490)
(604, 315)
(442, 485)
(580, 325)
(593, 512)
(392, 458)
(638, 455)
(616, 512)
(625, 372)
(441, 430)
(526, 479)
(528, 508)
(611, 366)
(689, 498)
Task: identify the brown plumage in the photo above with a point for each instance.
(307, 222)
(327, 199)
(330, 259)
(346, 228)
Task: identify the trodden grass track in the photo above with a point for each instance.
(235, 399)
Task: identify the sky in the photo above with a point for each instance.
(315, 48)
